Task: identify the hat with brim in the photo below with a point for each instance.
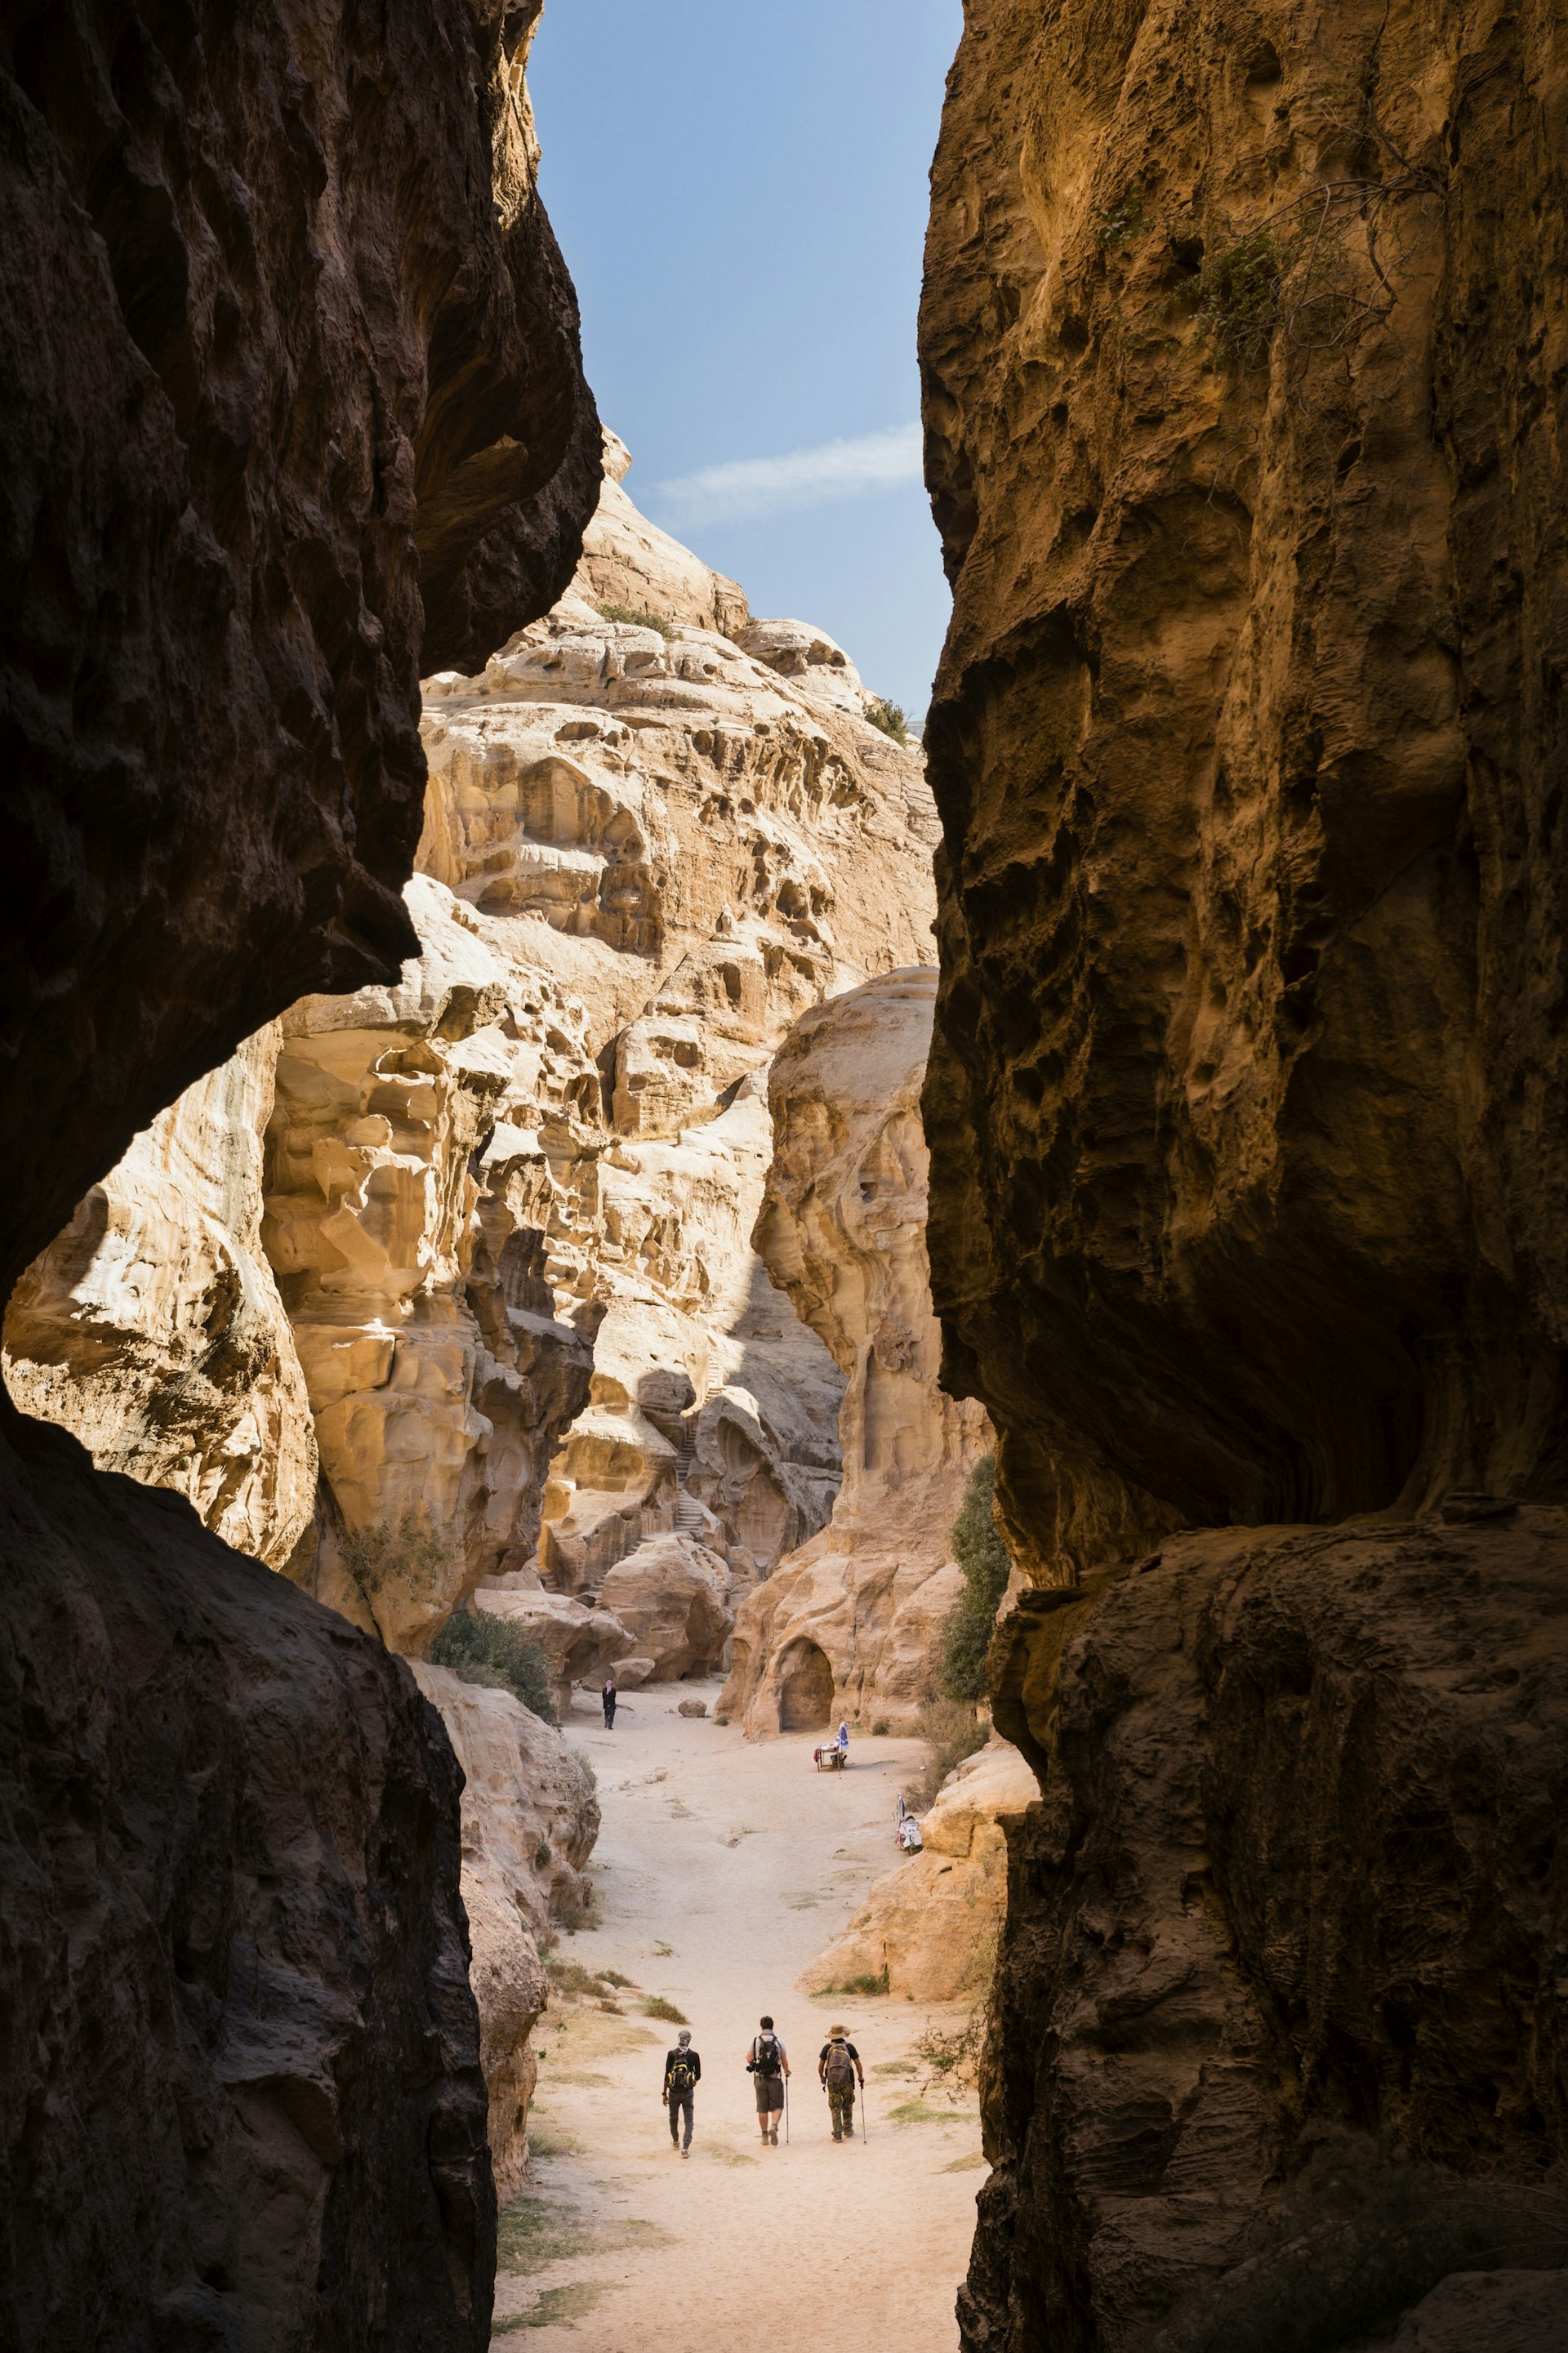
(836, 2034)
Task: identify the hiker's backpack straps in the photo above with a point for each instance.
(766, 2051)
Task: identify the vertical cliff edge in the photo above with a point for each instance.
(277, 299)
(1244, 432)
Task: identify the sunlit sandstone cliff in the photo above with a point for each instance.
(418, 1248)
(1246, 1116)
(852, 1622)
(269, 312)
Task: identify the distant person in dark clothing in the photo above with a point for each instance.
(682, 2072)
(609, 1696)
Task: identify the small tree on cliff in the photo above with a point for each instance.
(978, 1549)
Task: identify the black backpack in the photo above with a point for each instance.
(766, 2060)
(682, 2074)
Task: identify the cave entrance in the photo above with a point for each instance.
(805, 1688)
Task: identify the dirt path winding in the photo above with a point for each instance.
(723, 1867)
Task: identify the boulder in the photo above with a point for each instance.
(672, 1595)
(579, 1644)
(692, 1708)
(933, 1921)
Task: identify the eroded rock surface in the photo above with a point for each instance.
(1245, 1183)
(530, 1819)
(852, 1622)
(1246, 1192)
(273, 299)
(153, 1327)
(932, 1923)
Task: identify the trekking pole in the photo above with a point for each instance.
(786, 2112)
(864, 2134)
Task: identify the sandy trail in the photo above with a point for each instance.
(722, 1868)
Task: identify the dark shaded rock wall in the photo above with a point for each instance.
(1243, 432)
(257, 301)
(241, 2083)
(276, 298)
(1298, 1857)
(1241, 346)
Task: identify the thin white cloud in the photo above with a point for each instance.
(750, 486)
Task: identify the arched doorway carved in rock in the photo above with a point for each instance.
(805, 1688)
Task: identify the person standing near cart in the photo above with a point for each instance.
(767, 2063)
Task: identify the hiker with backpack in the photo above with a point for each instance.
(683, 2071)
(767, 2063)
(837, 2065)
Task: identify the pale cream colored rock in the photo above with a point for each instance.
(672, 1595)
(580, 1643)
(530, 1819)
(933, 1921)
(153, 1327)
(627, 559)
(852, 1622)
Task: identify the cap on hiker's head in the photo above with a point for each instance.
(684, 2035)
(768, 2023)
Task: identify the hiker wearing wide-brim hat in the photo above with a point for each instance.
(837, 2069)
(682, 2072)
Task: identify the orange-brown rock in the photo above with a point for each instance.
(930, 1925)
(852, 1620)
(530, 1819)
(1245, 433)
(1247, 1184)
(1294, 1858)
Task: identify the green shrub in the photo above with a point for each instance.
(890, 717)
(486, 1650)
(655, 2006)
(406, 1552)
(980, 1554)
(880, 1729)
(1238, 295)
(636, 619)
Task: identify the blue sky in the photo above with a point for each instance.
(740, 189)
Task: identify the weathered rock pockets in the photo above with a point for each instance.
(852, 1622)
(1246, 1166)
(269, 312)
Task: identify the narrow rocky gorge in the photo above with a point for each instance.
(1246, 1149)
(446, 1289)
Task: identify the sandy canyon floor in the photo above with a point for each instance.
(722, 1868)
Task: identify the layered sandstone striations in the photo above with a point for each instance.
(1244, 440)
(853, 1621)
(266, 308)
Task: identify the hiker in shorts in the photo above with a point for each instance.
(682, 2071)
(837, 2065)
(767, 2063)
